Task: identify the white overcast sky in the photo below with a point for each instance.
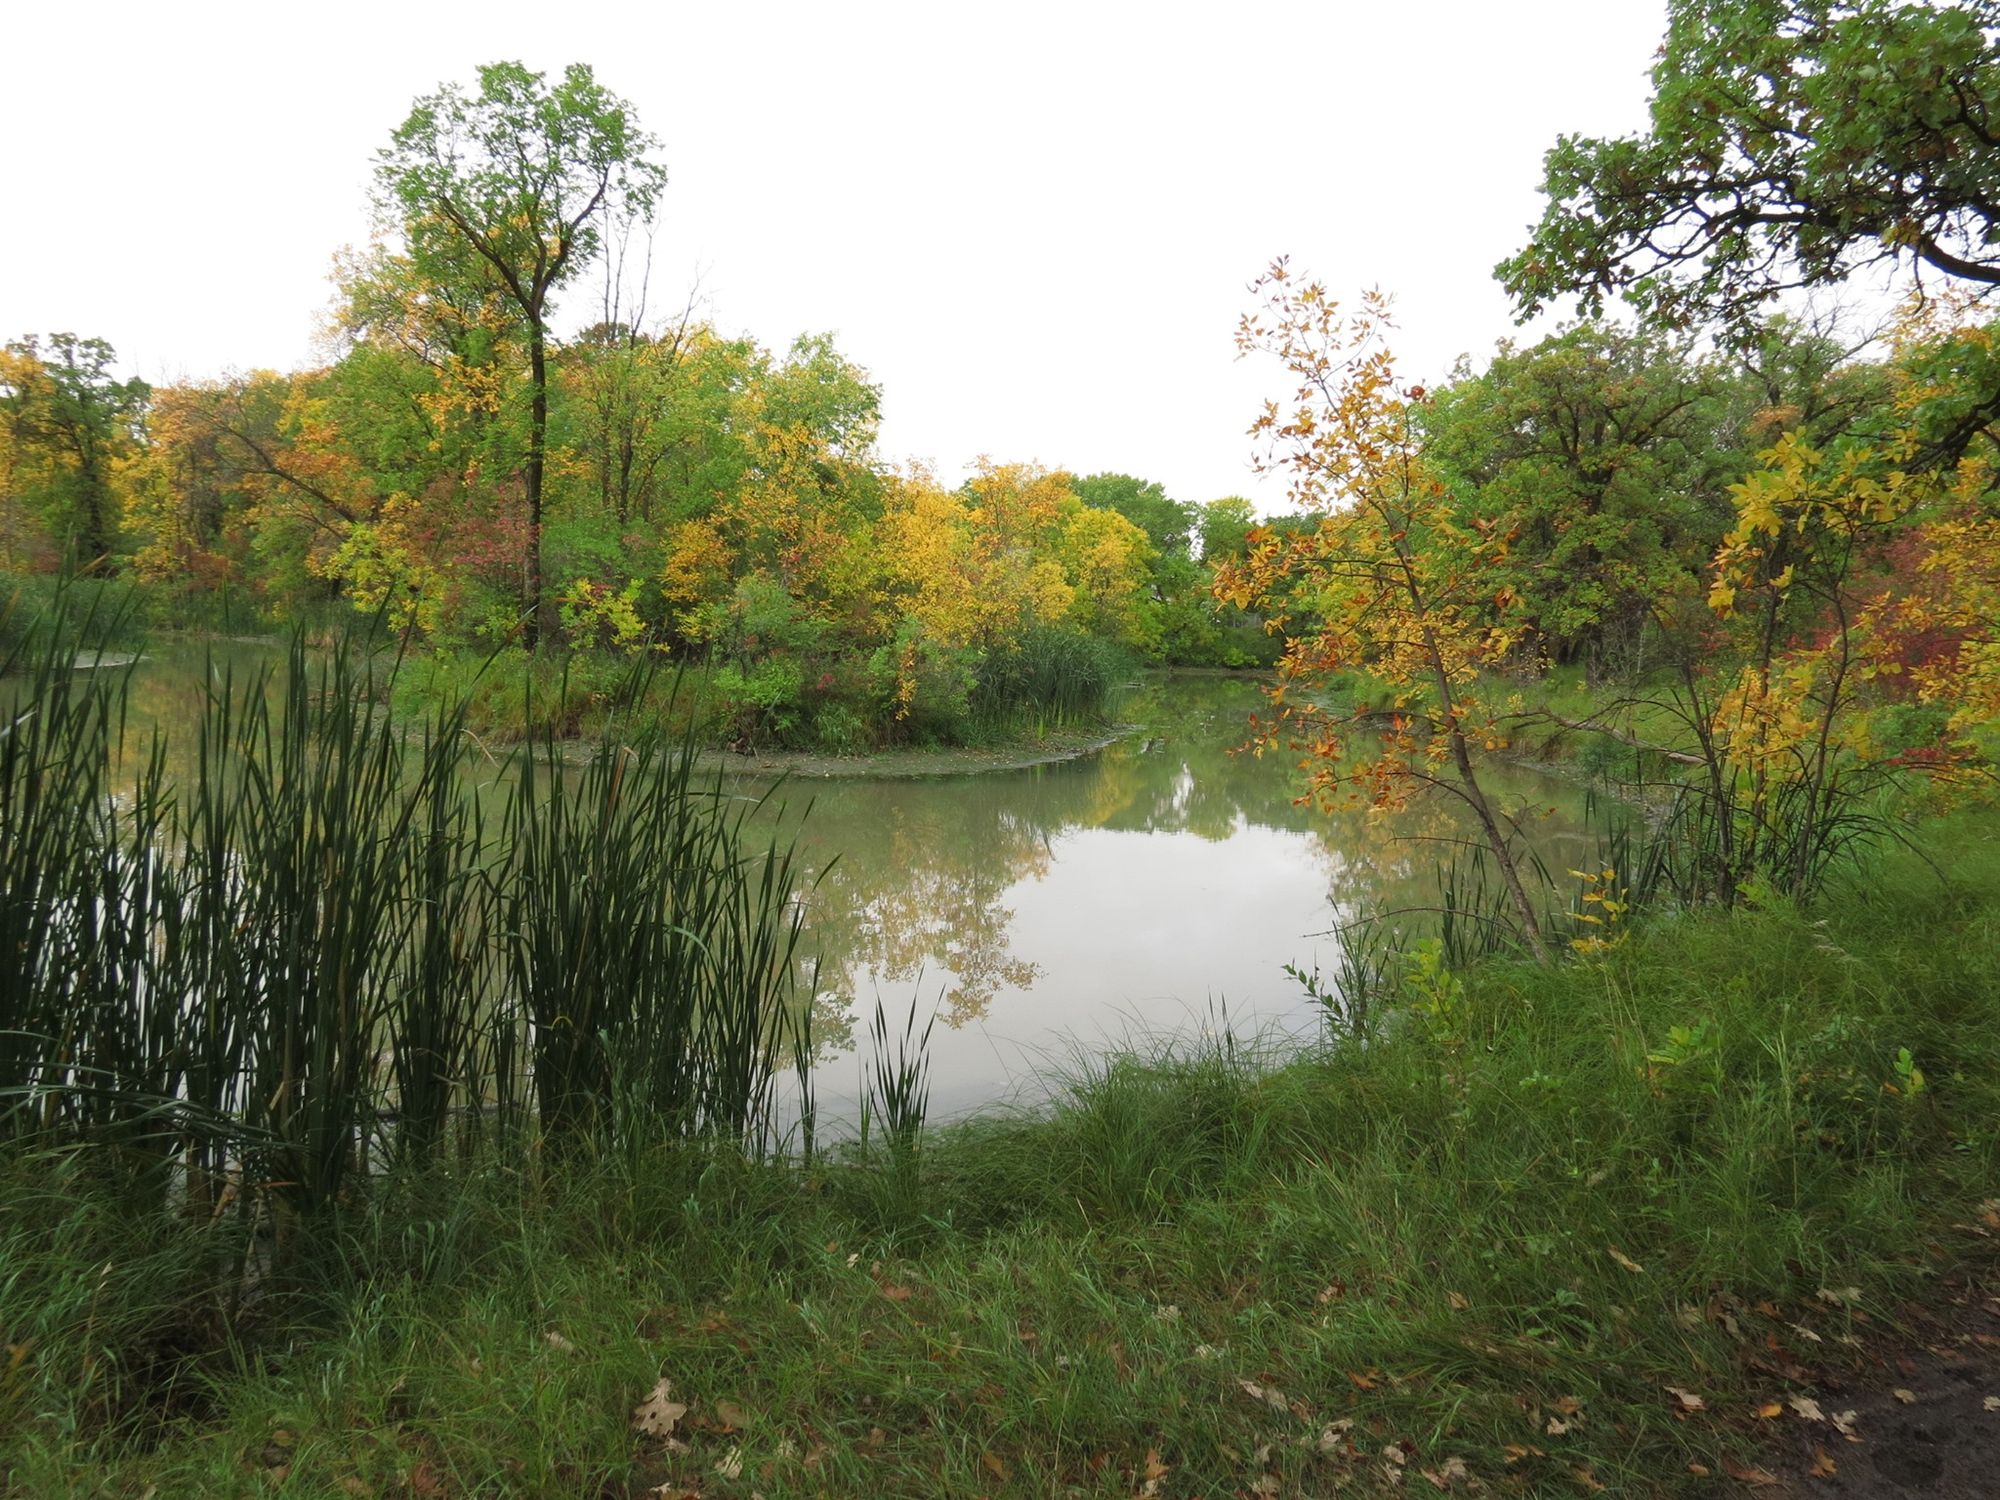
(1032, 224)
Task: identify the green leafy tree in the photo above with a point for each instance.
(1792, 143)
(1592, 458)
(517, 182)
(1166, 522)
(69, 421)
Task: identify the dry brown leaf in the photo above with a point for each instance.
(1748, 1474)
(1992, 1403)
(558, 1343)
(1568, 1406)
(1557, 1427)
(1458, 1303)
(1806, 1407)
(1688, 1400)
(1769, 1410)
(1625, 1260)
(1364, 1380)
(1155, 1469)
(1823, 1466)
(732, 1417)
(730, 1465)
(1333, 1436)
(1264, 1484)
(1395, 1454)
(994, 1466)
(659, 1413)
(1447, 1474)
(1907, 1397)
(1843, 1423)
(1587, 1478)
(1270, 1395)
(896, 1293)
(1699, 1470)
(1845, 1296)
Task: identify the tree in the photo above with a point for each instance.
(1793, 142)
(1392, 580)
(1145, 504)
(515, 183)
(68, 423)
(1593, 451)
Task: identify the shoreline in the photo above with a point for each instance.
(915, 764)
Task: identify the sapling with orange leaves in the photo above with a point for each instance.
(1384, 576)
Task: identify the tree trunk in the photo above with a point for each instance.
(538, 427)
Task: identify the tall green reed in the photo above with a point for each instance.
(315, 953)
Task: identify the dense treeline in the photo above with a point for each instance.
(1773, 553)
(640, 487)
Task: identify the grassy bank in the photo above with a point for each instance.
(1498, 1239)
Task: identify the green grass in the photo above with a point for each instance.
(1427, 1237)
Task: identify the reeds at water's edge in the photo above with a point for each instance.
(322, 952)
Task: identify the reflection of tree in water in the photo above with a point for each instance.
(914, 875)
(924, 867)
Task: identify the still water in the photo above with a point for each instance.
(1153, 891)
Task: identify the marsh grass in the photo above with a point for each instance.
(319, 952)
(1639, 1170)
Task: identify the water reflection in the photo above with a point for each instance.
(1147, 889)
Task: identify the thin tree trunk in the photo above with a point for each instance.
(538, 426)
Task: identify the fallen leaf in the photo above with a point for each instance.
(994, 1466)
(1167, 1314)
(896, 1293)
(1843, 1423)
(1206, 1351)
(1823, 1466)
(1992, 1403)
(557, 1342)
(1557, 1427)
(659, 1413)
(1447, 1474)
(1517, 1451)
(1458, 1303)
(1806, 1407)
(730, 1465)
(1155, 1469)
(1625, 1260)
(1270, 1395)
(1333, 1291)
(732, 1417)
(1587, 1478)
(1569, 1406)
(1333, 1436)
(1395, 1454)
(1748, 1474)
(1769, 1410)
(1907, 1397)
(1842, 1297)
(1688, 1400)
(1364, 1380)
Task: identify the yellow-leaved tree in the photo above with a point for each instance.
(1381, 576)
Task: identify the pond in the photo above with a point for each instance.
(1154, 890)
